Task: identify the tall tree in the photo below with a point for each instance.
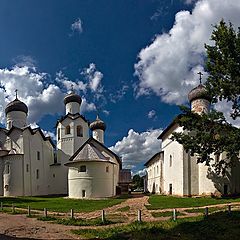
(209, 135)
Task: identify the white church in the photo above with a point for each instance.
(80, 165)
(172, 171)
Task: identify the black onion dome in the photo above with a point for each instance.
(199, 92)
(98, 124)
(16, 105)
(72, 97)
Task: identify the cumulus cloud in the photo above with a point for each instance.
(77, 26)
(168, 66)
(41, 95)
(226, 108)
(152, 114)
(69, 85)
(94, 77)
(136, 148)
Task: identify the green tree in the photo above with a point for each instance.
(210, 133)
(137, 181)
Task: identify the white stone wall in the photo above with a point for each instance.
(173, 169)
(72, 107)
(96, 182)
(154, 176)
(13, 181)
(17, 119)
(98, 134)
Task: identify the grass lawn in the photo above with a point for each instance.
(59, 204)
(198, 228)
(166, 214)
(77, 221)
(162, 202)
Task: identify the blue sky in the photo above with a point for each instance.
(132, 61)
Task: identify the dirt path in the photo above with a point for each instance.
(21, 227)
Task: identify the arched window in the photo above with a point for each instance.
(83, 168)
(67, 130)
(170, 161)
(107, 169)
(59, 133)
(79, 131)
(157, 169)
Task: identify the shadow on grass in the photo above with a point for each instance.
(17, 200)
(218, 226)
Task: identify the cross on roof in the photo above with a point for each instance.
(72, 87)
(200, 77)
(16, 93)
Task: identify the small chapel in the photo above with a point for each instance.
(79, 165)
(172, 171)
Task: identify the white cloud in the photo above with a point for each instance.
(168, 66)
(87, 107)
(106, 112)
(41, 97)
(77, 26)
(136, 148)
(151, 114)
(69, 85)
(141, 172)
(94, 78)
(226, 108)
(119, 94)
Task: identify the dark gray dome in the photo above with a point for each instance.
(199, 92)
(98, 124)
(72, 97)
(16, 105)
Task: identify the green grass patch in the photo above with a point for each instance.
(77, 221)
(163, 202)
(202, 210)
(166, 214)
(124, 209)
(59, 204)
(197, 228)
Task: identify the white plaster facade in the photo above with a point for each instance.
(180, 174)
(31, 165)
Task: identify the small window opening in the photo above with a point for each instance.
(79, 131)
(27, 168)
(83, 168)
(38, 155)
(170, 161)
(67, 130)
(83, 193)
(107, 169)
(37, 174)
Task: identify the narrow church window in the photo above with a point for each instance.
(38, 155)
(67, 130)
(79, 131)
(170, 161)
(54, 175)
(7, 169)
(83, 193)
(170, 189)
(37, 174)
(83, 168)
(27, 168)
(157, 170)
(6, 187)
(59, 133)
(107, 169)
